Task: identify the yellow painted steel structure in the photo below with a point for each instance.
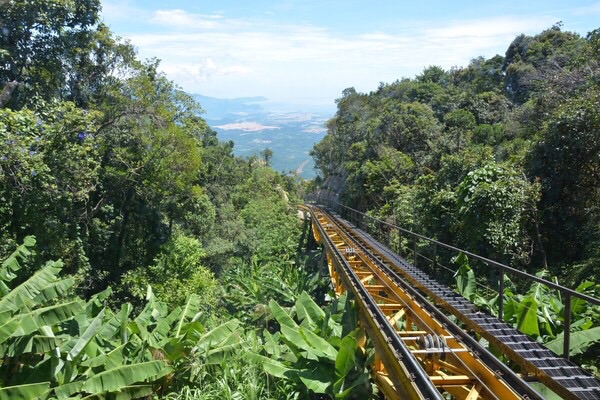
(410, 343)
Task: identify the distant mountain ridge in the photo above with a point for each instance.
(253, 126)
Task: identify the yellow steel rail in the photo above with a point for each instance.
(417, 356)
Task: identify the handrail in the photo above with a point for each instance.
(502, 268)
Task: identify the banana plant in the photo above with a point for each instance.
(310, 350)
(251, 286)
(48, 338)
(62, 347)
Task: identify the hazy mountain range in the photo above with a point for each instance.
(253, 123)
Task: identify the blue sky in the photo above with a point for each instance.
(306, 52)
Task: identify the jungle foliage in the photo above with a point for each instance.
(180, 274)
(500, 157)
(172, 250)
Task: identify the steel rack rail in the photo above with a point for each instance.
(420, 352)
(536, 362)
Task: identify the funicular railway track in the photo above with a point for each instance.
(421, 353)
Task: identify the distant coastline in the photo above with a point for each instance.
(246, 127)
(300, 168)
(253, 126)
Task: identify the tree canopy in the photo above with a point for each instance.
(140, 257)
(500, 156)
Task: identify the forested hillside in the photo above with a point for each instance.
(501, 157)
(108, 164)
(139, 256)
(142, 259)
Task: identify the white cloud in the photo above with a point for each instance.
(193, 75)
(209, 68)
(491, 27)
(593, 9)
(183, 20)
(121, 11)
(218, 56)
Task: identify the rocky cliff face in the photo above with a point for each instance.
(331, 189)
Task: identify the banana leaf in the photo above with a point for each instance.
(53, 290)
(317, 379)
(24, 392)
(345, 359)
(527, 320)
(579, 341)
(127, 393)
(11, 264)
(222, 335)
(33, 344)
(309, 313)
(47, 316)
(465, 278)
(8, 328)
(24, 294)
(91, 331)
(121, 377)
(281, 316)
(272, 367)
(110, 360)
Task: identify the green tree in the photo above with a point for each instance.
(481, 75)
(49, 168)
(459, 126)
(176, 274)
(325, 155)
(434, 74)
(551, 58)
(566, 160)
(57, 49)
(593, 38)
(385, 174)
(409, 128)
(267, 154)
(494, 207)
(516, 70)
(151, 154)
(490, 107)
